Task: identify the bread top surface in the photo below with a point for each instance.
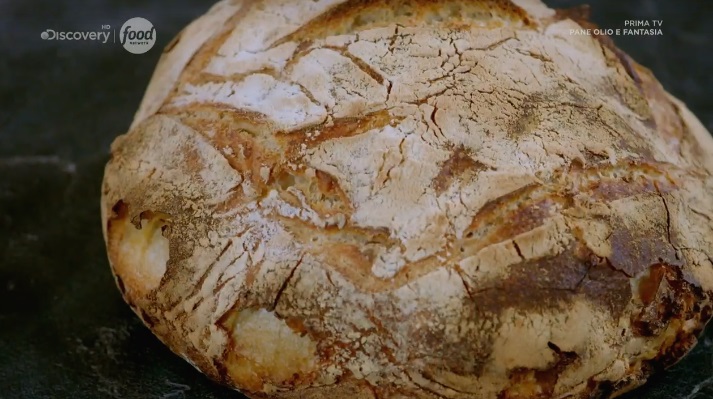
(458, 194)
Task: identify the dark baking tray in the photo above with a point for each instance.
(64, 330)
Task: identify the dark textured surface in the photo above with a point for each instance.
(64, 330)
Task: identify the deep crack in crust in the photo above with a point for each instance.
(421, 199)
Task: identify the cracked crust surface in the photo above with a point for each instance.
(411, 199)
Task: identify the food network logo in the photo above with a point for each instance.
(137, 35)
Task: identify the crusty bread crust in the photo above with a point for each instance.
(412, 199)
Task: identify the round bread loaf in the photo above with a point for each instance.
(369, 199)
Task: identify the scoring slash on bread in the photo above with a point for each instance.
(369, 199)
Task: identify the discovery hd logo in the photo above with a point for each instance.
(136, 35)
(51, 34)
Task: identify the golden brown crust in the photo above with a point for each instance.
(413, 199)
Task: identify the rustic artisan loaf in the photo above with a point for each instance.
(412, 199)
